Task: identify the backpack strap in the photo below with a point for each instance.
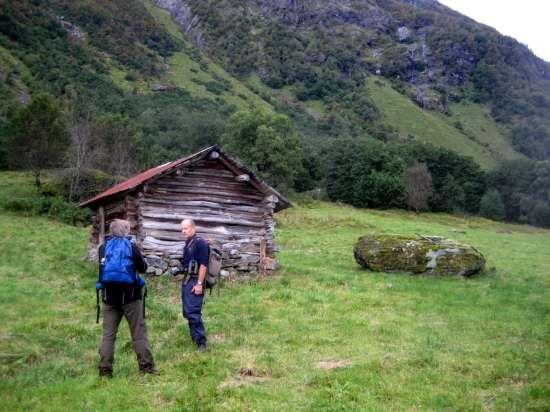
(144, 297)
(98, 287)
(98, 307)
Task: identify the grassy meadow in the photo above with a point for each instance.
(320, 334)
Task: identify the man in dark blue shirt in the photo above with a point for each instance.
(195, 265)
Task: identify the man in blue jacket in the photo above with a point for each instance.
(195, 265)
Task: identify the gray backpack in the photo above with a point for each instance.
(214, 264)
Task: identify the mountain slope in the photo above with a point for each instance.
(177, 69)
(324, 49)
(469, 130)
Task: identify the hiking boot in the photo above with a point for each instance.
(202, 347)
(105, 373)
(151, 370)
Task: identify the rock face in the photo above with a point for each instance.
(188, 22)
(403, 33)
(418, 254)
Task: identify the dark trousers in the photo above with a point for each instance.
(192, 307)
(112, 315)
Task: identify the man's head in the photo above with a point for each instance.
(119, 227)
(188, 228)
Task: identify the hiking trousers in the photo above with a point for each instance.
(192, 311)
(112, 315)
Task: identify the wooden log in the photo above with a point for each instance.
(209, 173)
(177, 236)
(197, 190)
(206, 212)
(235, 243)
(263, 255)
(203, 204)
(205, 198)
(101, 214)
(207, 163)
(186, 183)
(238, 189)
(230, 232)
(200, 176)
(203, 217)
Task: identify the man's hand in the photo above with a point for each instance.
(197, 289)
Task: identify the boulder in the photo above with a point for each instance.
(417, 254)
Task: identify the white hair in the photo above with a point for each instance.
(190, 222)
(119, 227)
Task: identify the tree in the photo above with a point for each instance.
(492, 206)
(266, 142)
(84, 158)
(449, 197)
(37, 136)
(417, 181)
(365, 173)
(119, 158)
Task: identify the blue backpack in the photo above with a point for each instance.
(117, 267)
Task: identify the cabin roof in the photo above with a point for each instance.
(143, 177)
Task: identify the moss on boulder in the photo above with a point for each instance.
(417, 254)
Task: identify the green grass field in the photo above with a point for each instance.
(321, 334)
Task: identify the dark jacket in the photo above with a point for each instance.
(122, 294)
(195, 250)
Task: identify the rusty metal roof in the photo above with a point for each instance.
(148, 174)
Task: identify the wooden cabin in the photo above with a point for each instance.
(228, 203)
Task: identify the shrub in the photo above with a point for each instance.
(54, 207)
(85, 184)
(492, 206)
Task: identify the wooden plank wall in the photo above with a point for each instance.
(224, 209)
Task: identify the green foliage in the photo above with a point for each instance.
(491, 206)
(80, 185)
(523, 185)
(267, 143)
(173, 124)
(37, 136)
(264, 140)
(459, 182)
(369, 174)
(54, 207)
(366, 173)
(125, 30)
(532, 139)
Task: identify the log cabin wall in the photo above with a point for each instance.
(224, 207)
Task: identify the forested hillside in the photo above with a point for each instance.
(136, 83)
